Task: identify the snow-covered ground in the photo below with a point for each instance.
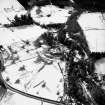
(50, 75)
(8, 8)
(49, 14)
(93, 25)
(100, 66)
(48, 79)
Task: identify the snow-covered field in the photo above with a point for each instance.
(93, 25)
(47, 84)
